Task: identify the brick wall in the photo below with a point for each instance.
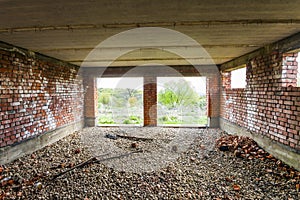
(270, 104)
(37, 95)
(213, 95)
(90, 99)
(150, 101)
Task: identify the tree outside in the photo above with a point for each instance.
(179, 103)
(119, 105)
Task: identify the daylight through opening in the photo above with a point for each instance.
(120, 101)
(181, 101)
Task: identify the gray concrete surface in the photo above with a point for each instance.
(10, 153)
(69, 30)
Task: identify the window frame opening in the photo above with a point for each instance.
(177, 114)
(238, 77)
(120, 101)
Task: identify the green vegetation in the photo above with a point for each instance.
(178, 93)
(119, 97)
(202, 120)
(133, 120)
(106, 120)
(120, 106)
(178, 103)
(169, 120)
(202, 102)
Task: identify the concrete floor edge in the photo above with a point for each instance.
(10, 153)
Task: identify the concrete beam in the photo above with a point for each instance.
(206, 23)
(284, 45)
(89, 49)
(140, 71)
(12, 48)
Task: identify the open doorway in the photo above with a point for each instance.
(120, 101)
(181, 101)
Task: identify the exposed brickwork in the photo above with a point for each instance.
(289, 69)
(150, 101)
(226, 80)
(90, 99)
(213, 95)
(37, 95)
(266, 106)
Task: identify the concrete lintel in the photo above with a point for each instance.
(133, 71)
(10, 153)
(287, 44)
(280, 151)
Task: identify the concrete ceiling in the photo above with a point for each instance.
(70, 30)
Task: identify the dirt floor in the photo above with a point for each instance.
(149, 163)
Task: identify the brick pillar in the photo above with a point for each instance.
(213, 100)
(150, 101)
(90, 100)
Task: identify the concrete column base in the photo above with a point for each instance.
(214, 122)
(90, 121)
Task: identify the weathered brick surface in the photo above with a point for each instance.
(270, 103)
(213, 95)
(37, 95)
(150, 101)
(91, 96)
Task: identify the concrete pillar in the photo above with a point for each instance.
(90, 100)
(150, 101)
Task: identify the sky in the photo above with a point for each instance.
(238, 78)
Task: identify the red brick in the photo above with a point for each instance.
(267, 101)
(14, 104)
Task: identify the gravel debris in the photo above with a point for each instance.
(175, 163)
(163, 146)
